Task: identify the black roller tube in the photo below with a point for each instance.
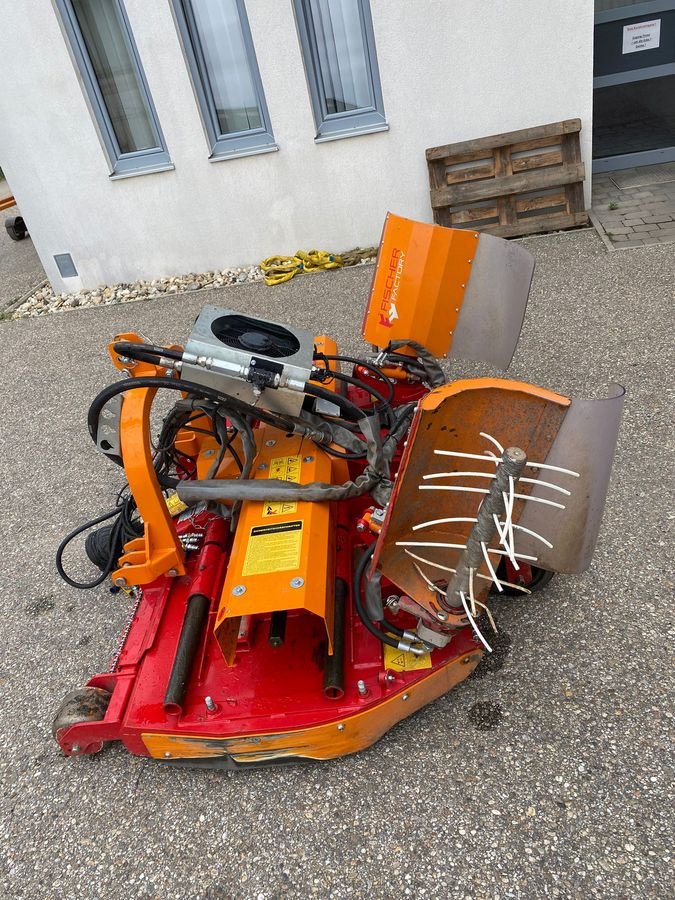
(334, 673)
(196, 616)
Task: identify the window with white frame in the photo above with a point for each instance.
(338, 47)
(224, 71)
(105, 54)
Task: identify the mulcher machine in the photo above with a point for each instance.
(312, 541)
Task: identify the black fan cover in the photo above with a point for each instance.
(255, 336)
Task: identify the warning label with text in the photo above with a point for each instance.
(273, 548)
(283, 468)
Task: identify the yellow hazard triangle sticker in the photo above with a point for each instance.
(398, 661)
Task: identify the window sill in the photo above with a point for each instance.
(350, 132)
(149, 170)
(238, 154)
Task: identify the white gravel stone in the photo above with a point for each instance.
(45, 301)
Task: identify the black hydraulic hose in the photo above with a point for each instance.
(358, 601)
(189, 387)
(132, 350)
(365, 365)
(386, 406)
(351, 410)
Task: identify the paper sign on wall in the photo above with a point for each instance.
(642, 36)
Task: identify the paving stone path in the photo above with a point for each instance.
(634, 217)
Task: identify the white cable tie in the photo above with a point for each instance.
(459, 475)
(435, 565)
(457, 453)
(471, 592)
(534, 465)
(534, 535)
(473, 623)
(509, 518)
(446, 546)
(442, 522)
(548, 484)
(488, 563)
(492, 440)
(430, 584)
(489, 615)
(450, 487)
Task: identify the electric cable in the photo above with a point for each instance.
(123, 526)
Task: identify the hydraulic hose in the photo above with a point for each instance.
(358, 602)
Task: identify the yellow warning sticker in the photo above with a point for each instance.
(273, 548)
(175, 505)
(284, 468)
(399, 661)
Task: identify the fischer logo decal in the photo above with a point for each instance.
(388, 312)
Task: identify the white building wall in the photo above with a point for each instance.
(451, 70)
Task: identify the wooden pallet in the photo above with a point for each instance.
(522, 182)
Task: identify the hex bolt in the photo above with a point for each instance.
(209, 452)
(297, 582)
(172, 573)
(441, 616)
(341, 727)
(75, 748)
(405, 697)
(238, 590)
(120, 582)
(262, 466)
(361, 687)
(270, 443)
(167, 754)
(308, 459)
(210, 704)
(466, 660)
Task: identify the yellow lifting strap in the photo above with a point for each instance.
(276, 269)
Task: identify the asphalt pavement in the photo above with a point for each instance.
(20, 267)
(549, 775)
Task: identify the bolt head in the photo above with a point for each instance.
(75, 748)
(270, 443)
(208, 452)
(441, 616)
(172, 573)
(405, 697)
(120, 582)
(262, 466)
(391, 677)
(238, 590)
(341, 727)
(167, 754)
(308, 459)
(297, 582)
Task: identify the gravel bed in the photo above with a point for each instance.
(44, 301)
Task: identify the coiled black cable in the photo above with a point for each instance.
(122, 527)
